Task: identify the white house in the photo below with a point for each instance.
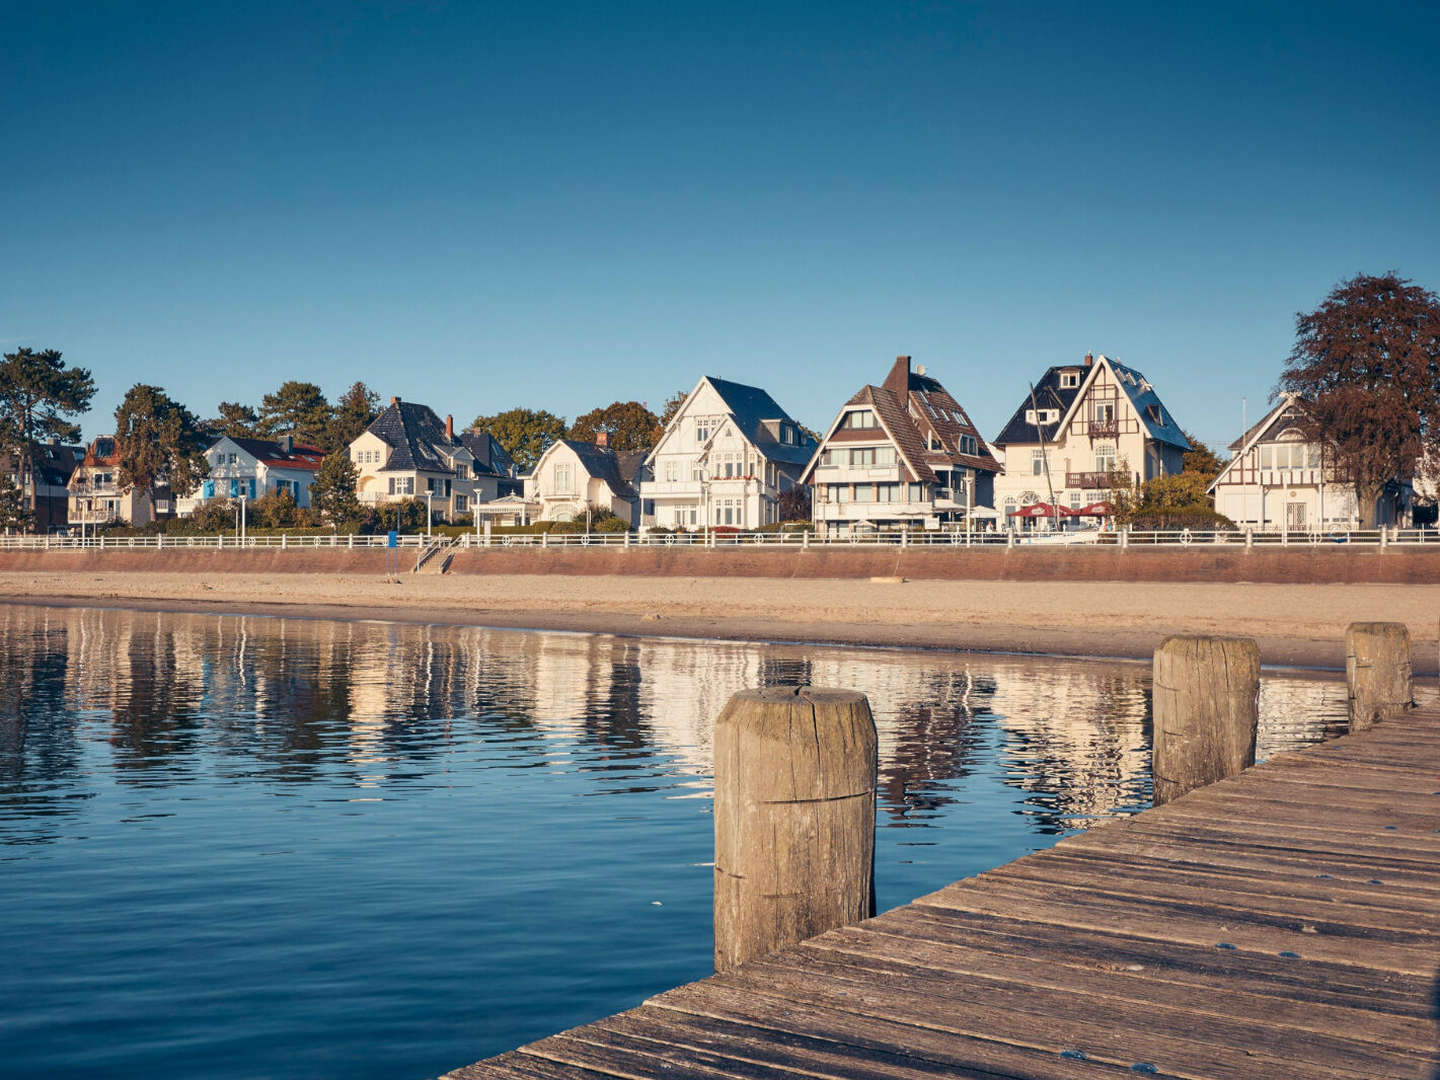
(904, 453)
(407, 452)
(1085, 422)
(571, 476)
(725, 459)
(1278, 480)
(255, 467)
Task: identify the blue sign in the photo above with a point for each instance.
(392, 539)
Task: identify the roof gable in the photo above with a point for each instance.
(417, 438)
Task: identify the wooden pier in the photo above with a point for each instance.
(1284, 923)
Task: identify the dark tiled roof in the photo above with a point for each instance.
(412, 432)
(1048, 395)
(603, 464)
(490, 457)
(55, 462)
(631, 463)
(1153, 414)
(750, 407)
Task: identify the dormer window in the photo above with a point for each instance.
(969, 445)
(1042, 416)
(787, 435)
(1155, 414)
(860, 418)
(1069, 380)
(932, 442)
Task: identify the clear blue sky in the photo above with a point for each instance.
(484, 205)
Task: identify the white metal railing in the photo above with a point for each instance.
(788, 539)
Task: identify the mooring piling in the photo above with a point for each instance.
(1206, 711)
(795, 772)
(1377, 672)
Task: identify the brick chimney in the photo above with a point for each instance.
(449, 428)
(898, 381)
(602, 440)
(1089, 360)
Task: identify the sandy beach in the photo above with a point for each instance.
(1296, 625)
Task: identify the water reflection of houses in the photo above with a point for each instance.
(377, 704)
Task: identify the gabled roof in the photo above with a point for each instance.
(897, 423)
(1154, 417)
(1049, 394)
(416, 437)
(272, 453)
(490, 457)
(932, 409)
(1256, 434)
(910, 407)
(750, 409)
(599, 462)
(54, 462)
(1153, 414)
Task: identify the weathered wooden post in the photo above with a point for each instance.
(1377, 671)
(1206, 694)
(795, 771)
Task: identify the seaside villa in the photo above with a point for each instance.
(1277, 480)
(1085, 424)
(572, 476)
(725, 459)
(407, 452)
(902, 453)
(249, 468)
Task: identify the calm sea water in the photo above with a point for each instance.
(257, 847)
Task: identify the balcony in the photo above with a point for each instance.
(1105, 427)
(1093, 480)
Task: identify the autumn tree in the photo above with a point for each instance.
(333, 492)
(1367, 364)
(38, 395)
(524, 433)
(628, 425)
(672, 406)
(1200, 459)
(158, 441)
(298, 409)
(355, 410)
(234, 420)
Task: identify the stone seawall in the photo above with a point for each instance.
(1291, 565)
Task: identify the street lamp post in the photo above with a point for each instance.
(242, 519)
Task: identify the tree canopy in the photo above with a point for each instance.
(333, 492)
(38, 395)
(524, 433)
(298, 409)
(672, 406)
(157, 440)
(354, 411)
(1200, 459)
(235, 420)
(629, 425)
(1366, 363)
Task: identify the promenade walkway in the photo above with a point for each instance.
(1285, 924)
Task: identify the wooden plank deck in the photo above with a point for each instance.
(1282, 924)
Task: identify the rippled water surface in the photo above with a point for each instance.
(239, 847)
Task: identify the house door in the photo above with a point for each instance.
(1294, 517)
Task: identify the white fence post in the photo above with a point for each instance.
(1249, 538)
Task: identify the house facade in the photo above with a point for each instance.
(724, 459)
(98, 499)
(1086, 424)
(571, 476)
(250, 468)
(408, 452)
(904, 453)
(46, 490)
(1278, 480)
